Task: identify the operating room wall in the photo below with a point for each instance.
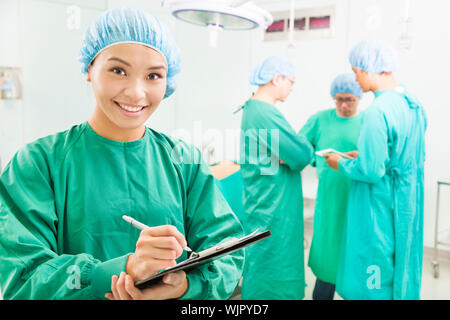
(43, 38)
(214, 82)
(34, 35)
(10, 119)
(423, 68)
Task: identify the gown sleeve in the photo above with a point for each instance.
(370, 166)
(294, 149)
(309, 130)
(31, 268)
(210, 221)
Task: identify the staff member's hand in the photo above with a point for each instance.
(332, 160)
(352, 154)
(173, 286)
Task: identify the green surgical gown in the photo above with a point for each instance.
(382, 249)
(62, 198)
(231, 188)
(326, 130)
(274, 267)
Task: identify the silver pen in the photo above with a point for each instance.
(142, 226)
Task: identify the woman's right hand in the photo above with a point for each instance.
(156, 249)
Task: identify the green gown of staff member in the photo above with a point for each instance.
(336, 128)
(62, 197)
(382, 249)
(274, 267)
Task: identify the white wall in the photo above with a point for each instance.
(214, 82)
(35, 37)
(10, 111)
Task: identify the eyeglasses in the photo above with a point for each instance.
(346, 100)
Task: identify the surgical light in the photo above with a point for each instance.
(219, 15)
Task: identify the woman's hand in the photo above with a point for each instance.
(173, 286)
(156, 249)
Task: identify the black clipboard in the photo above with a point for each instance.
(205, 256)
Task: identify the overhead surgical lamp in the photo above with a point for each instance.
(219, 15)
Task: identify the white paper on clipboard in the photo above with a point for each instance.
(325, 151)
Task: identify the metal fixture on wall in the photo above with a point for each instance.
(219, 15)
(405, 40)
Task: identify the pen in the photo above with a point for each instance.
(142, 226)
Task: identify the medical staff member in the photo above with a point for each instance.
(382, 248)
(274, 267)
(336, 128)
(62, 197)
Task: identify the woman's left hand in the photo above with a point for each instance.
(173, 286)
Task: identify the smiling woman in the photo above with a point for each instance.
(129, 82)
(63, 196)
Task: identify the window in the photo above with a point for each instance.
(319, 22)
(276, 26)
(309, 24)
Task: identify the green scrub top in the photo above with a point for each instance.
(62, 198)
(274, 267)
(382, 252)
(326, 129)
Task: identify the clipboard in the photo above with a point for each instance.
(205, 256)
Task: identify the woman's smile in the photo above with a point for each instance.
(130, 109)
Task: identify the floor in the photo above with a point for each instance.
(435, 289)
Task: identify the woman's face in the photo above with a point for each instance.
(129, 82)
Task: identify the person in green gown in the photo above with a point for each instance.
(336, 128)
(382, 248)
(271, 157)
(62, 197)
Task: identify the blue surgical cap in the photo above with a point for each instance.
(127, 25)
(265, 71)
(373, 56)
(346, 83)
